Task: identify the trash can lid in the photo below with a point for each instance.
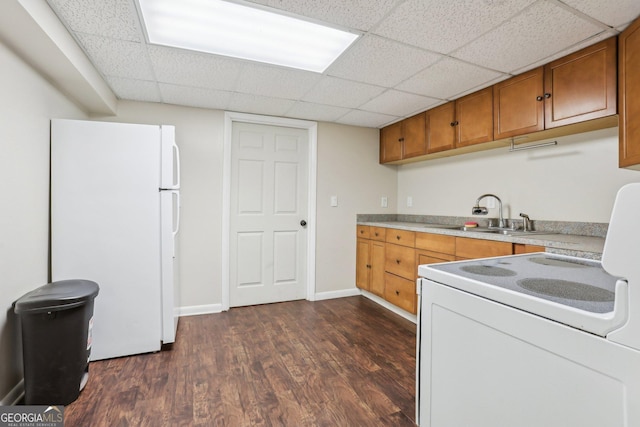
(56, 296)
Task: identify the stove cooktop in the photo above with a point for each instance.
(574, 282)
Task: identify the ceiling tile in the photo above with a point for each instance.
(319, 112)
(366, 119)
(358, 14)
(195, 97)
(394, 102)
(135, 90)
(443, 26)
(341, 93)
(448, 78)
(275, 81)
(116, 19)
(612, 12)
(259, 104)
(562, 53)
(118, 58)
(182, 67)
(380, 61)
(540, 31)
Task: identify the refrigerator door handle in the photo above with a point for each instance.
(177, 160)
(174, 232)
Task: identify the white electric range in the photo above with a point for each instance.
(534, 340)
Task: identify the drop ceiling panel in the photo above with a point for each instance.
(367, 119)
(537, 33)
(118, 58)
(310, 111)
(356, 14)
(116, 19)
(393, 102)
(259, 104)
(448, 78)
(135, 90)
(611, 13)
(275, 81)
(381, 61)
(195, 97)
(181, 67)
(443, 26)
(341, 93)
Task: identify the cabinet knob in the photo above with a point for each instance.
(398, 237)
(539, 98)
(376, 234)
(547, 95)
(397, 261)
(454, 123)
(397, 292)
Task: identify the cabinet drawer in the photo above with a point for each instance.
(400, 292)
(401, 237)
(363, 231)
(436, 243)
(400, 260)
(377, 233)
(480, 248)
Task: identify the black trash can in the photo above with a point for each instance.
(57, 319)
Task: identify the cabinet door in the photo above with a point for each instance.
(518, 105)
(474, 118)
(363, 266)
(629, 87)
(581, 86)
(391, 143)
(414, 136)
(376, 283)
(441, 133)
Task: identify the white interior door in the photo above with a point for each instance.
(269, 199)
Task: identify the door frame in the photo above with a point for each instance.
(312, 134)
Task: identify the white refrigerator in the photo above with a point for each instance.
(114, 219)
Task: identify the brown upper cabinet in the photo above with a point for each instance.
(575, 88)
(576, 93)
(403, 139)
(629, 95)
(460, 123)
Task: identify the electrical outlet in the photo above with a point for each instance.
(383, 202)
(334, 201)
(409, 202)
(491, 202)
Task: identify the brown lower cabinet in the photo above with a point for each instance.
(387, 259)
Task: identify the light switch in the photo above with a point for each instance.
(491, 202)
(409, 202)
(334, 201)
(383, 202)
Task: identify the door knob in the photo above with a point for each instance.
(303, 223)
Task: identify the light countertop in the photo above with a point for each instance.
(565, 244)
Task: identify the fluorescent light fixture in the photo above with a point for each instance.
(233, 29)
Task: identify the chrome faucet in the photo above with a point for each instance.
(482, 210)
(526, 222)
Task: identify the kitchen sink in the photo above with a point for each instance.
(504, 231)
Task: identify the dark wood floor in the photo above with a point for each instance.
(341, 362)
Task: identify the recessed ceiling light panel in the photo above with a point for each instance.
(233, 29)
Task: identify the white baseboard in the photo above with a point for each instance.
(195, 310)
(386, 304)
(336, 294)
(14, 396)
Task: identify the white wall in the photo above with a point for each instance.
(576, 180)
(27, 104)
(348, 168)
